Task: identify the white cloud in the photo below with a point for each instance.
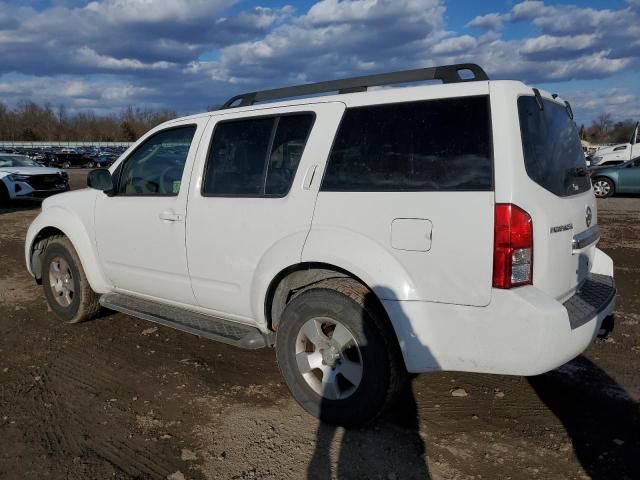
(90, 57)
(156, 10)
(547, 43)
(455, 45)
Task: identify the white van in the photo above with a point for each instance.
(363, 234)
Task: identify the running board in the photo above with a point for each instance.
(213, 328)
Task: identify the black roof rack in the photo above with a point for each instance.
(447, 74)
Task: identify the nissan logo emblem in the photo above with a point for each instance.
(588, 216)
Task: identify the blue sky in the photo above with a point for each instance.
(185, 55)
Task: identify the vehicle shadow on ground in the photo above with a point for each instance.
(392, 448)
(601, 419)
(389, 448)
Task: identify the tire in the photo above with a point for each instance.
(603, 187)
(66, 165)
(65, 284)
(340, 307)
(5, 199)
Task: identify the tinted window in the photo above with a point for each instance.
(256, 157)
(156, 166)
(420, 146)
(553, 155)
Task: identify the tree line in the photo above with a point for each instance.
(28, 121)
(604, 130)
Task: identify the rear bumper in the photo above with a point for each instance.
(522, 331)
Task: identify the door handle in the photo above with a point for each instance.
(171, 216)
(308, 179)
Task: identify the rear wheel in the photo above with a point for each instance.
(66, 165)
(603, 187)
(65, 284)
(338, 355)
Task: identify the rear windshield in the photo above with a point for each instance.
(553, 155)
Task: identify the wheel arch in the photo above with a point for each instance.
(56, 221)
(303, 276)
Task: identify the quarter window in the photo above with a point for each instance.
(256, 157)
(430, 145)
(156, 166)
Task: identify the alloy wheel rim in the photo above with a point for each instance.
(329, 358)
(601, 188)
(61, 281)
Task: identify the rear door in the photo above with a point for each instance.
(554, 189)
(254, 193)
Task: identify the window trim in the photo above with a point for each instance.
(118, 170)
(490, 188)
(274, 131)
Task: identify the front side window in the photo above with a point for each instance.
(553, 154)
(256, 157)
(431, 145)
(156, 166)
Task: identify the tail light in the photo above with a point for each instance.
(513, 247)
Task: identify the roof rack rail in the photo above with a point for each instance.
(447, 74)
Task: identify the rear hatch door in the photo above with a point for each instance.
(558, 196)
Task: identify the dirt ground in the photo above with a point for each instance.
(121, 398)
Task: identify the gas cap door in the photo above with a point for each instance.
(411, 234)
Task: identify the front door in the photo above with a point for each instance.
(629, 177)
(140, 229)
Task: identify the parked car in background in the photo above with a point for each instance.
(23, 178)
(623, 178)
(68, 160)
(617, 154)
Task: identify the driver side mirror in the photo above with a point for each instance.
(100, 179)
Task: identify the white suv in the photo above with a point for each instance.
(363, 234)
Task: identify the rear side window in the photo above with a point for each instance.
(430, 145)
(553, 155)
(256, 157)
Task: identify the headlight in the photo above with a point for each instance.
(14, 177)
(596, 159)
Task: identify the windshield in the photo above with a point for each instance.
(553, 155)
(17, 161)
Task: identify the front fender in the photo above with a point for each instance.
(71, 225)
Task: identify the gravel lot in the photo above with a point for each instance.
(118, 397)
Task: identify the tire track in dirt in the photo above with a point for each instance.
(92, 381)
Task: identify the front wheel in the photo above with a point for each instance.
(66, 165)
(603, 187)
(337, 354)
(65, 284)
